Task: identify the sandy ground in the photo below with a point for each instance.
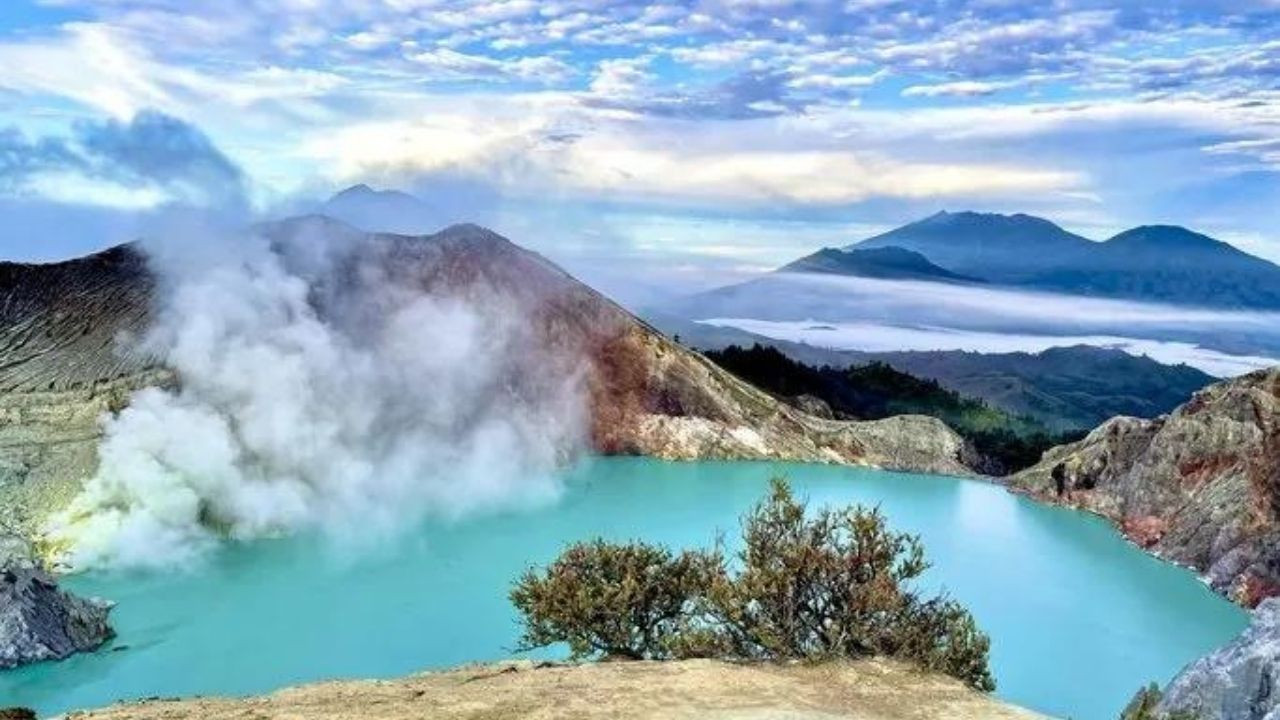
(868, 690)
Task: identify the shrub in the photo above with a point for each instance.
(818, 588)
(627, 601)
(940, 635)
(834, 585)
(1144, 703)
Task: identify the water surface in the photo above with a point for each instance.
(1078, 618)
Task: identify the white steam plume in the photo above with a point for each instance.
(316, 389)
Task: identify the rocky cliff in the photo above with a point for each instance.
(68, 355)
(40, 622)
(66, 330)
(865, 690)
(1200, 486)
(1240, 681)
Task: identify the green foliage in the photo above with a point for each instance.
(876, 390)
(1144, 703)
(628, 601)
(834, 584)
(818, 587)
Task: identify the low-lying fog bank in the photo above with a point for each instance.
(880, 337)
(856, 313)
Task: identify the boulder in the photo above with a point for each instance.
(1240, 681)
(39, 621)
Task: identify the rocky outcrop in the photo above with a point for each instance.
(1241, 681)
(38, 621)
(1200, 486)
(653, 397)
(865, 690)
(648, 394)
(65, 340)
(67, 358)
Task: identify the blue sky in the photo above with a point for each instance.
(681, 140)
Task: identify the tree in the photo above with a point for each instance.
(625, 601)
(834, 585)
(1145, 704)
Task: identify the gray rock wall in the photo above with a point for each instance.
(1241, 681)
(38, 621)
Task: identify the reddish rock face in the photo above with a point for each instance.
(1252, 589)
(1200, 487)
(1145, 531)
(645, 394)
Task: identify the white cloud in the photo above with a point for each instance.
(823, 81)
(621, 77)
(103, 68)
(274, 81)
(878, 337)
(673, 162)
(91, 64)
(960, 88)
(446, 64)
(75, 189)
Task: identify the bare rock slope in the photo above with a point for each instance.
(867, 690)
(40, 622)
(66, 358)
(65, 333)
(1200, 486)
(1240, 681)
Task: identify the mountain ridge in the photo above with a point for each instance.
(890, 262)
(1065, 387)
(1159, 263)
(382, 210)
(646, 394)
(987, 239)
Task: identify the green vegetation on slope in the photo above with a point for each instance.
(1144, 706)
(831, 585)
(1064, 388)
(1007, 442)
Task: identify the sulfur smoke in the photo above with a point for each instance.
(319, 388)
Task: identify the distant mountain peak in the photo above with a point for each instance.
(988, 219)
(383, 210)
(1167, 236)
(985, 245)
(362, 190)
(889, 262)
(471, 232)
(1160, 263)
(358, 189)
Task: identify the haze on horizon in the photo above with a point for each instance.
(691, 144)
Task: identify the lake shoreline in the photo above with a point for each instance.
(436, 598)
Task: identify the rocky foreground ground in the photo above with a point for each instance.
(867, 690)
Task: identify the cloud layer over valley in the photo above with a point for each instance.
(872, 314)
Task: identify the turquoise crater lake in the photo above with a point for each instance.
(1078, 618)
